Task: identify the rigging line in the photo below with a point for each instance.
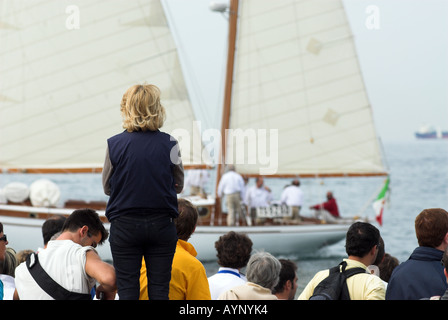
(178, 44)
(184, 58)
(174, 63)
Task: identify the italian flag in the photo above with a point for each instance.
(380, 201)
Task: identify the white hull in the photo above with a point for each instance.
(26, 233)
(278, 240)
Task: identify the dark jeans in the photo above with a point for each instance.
(135, 236)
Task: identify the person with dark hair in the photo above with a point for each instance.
(328, 210)
(361, 245)
(374, 267)
(233, 252)
(387, 266)
(70, 266)
(51, 226)
(188, 276)
(287, 284)
(422, 274)
(445, 271)
(8, 264)
(292, 196)
(257, 196)
(3, 250)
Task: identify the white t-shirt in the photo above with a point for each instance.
(225, 279)
(64, 261)
(257, 197)
(8, 286)
(292, 196)
(231, 182)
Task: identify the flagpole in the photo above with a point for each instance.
(369, 202)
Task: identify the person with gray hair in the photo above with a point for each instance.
(262, 273)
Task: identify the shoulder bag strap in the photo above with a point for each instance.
(51, 287)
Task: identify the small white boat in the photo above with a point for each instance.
(278, 240)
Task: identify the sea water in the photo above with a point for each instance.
(419, 179)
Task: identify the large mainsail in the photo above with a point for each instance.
(64, 66)
(296, 71)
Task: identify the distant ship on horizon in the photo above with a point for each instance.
(430, 132)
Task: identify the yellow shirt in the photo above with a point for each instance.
(363, 286)
(188, 278)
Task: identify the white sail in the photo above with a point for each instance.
(64, 66)
(296, 71)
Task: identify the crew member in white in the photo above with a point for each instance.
(231, 186)
(196, 180)
(258, 195)
(292, 196)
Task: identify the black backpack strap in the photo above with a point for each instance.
(348, 273)
(51, 287)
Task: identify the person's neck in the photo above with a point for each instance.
(66, 236)
(364, 260)
(282, 295)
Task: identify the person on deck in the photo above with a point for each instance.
(422, 275)
(292, 196)
(188, 276)
(256, 196)
(233, 252)
(143, 173)
(327, 210)
(232, 187)
(197, 179)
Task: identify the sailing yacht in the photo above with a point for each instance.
(293, 88)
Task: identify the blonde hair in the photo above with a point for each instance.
(141, 108)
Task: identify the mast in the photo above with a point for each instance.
(233, 21)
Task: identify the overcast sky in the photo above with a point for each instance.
(404, 60)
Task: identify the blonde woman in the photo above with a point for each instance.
(142, 175)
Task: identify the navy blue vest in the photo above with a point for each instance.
(142, 178)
